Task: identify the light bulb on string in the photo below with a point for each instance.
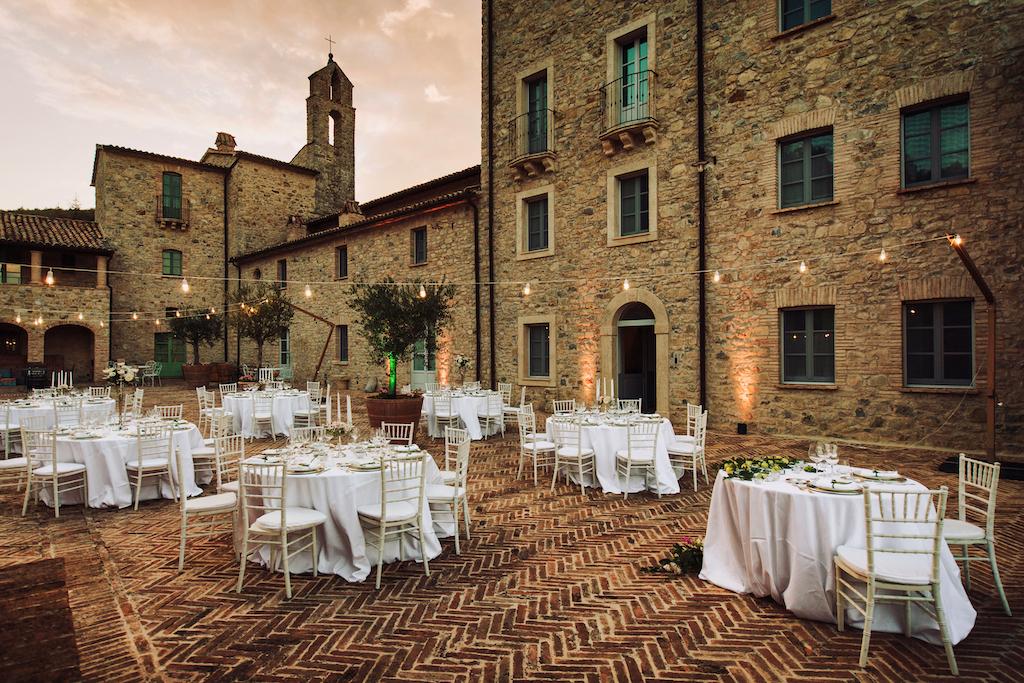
(423, 292)
(207, 316)
(184, 286)
(526, 289)
(177, 314)
(157, 321)
(625, 283)
(80, 316)
(17, 318)
(213, 309)
(49, 277)
(958, 240)
(882, 256)
(717, 277)
(135, 315)
(308, 292)
(803, 267)
(102, 324)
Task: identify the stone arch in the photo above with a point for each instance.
(609, 321)
(70, 346)
(13, 351)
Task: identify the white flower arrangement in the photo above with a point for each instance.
(119, 374)
(461, 363)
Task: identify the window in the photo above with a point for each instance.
(419, 246)
(796, 12)
(805, 170)
(632, 88)
(936, 143)
(634, 216)
(10, 273)
(285, 348)
(537, 114)
(808, 345)
(257, 274)
(938, 343)
(172, 262)
(282, 273)
(537, 223)
(343, 343)
(538, 350)
(341, 259)
(171, 198)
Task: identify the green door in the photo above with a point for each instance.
(633, 81)
(424, 368)
(537, 103)
(169, 352)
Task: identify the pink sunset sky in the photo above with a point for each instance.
(166, 76)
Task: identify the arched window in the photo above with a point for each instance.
(172, 262)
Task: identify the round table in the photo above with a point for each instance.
(467, 407)
(93, 410)
(775, 539)
(285, 405)
(337, 492)
(105, 460)
(607, 438)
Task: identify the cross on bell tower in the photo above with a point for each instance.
(330, 47)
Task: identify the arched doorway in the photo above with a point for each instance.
(635, 348)
(635, 358)
(70, 347)
(13, 353)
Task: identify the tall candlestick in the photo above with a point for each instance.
(348, 409)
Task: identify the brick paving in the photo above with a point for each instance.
(549, 588)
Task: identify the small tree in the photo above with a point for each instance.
(197, 330)
(394, 317)
(261, 312)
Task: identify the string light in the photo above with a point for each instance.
(803, 267)
(80, 316)
(177, 314)
(882, 256)
(423, 292)
(717, 277)
(526, 289)
(102, 324)
(184, 286)
(49, 277)
(157, 321)
(213, 309)
(135, 316)
(207, 316)
(308, 291)
(17, 318)
(625, 284)
(958, 240)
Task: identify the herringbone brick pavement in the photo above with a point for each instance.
(548, 589)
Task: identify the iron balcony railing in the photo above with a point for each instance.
(629, 100)
(169, 211)
(531, 133)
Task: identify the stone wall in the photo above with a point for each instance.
(852, 72)
(261, 197)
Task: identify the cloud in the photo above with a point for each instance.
(393, 18)
(434, 95)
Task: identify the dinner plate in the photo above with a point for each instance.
(879, 475)
(365, 466)
(838, 488)
(304, 469)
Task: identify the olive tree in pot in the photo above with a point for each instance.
(197, 330)
(260, 313)
(393, 318)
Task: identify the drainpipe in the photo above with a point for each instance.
(702, 214)
(238, 335)
(490, 188)
(224, 306)
(473, 203)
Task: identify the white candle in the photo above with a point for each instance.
(348, 408)
(612, 393)
(599, 380)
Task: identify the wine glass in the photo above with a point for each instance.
(830, 454)
(815, 453)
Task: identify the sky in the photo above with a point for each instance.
(166, 76)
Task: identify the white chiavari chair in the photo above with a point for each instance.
(689, 454)
(301, 435)
(99, 392)
(207, 515)
(230, 451)
(133, 404)
(275, 385)
(570, 453)
(400, 510)
(267, 374)
(540, 452)
(12, 468)
(451, 499)
(693, 413)
(452, 438)
(206, 406)
(264, 492)
(511, 412)
(491, 414)
(154, 448)
(43, 470)
(324, 416)
(11, 432)
(314, 387)
(638, 455)
(444, 412)
(398, 432)
(205, 456)
(899, 563)
(629, 405)
(505, 389)
(42, 393)
(976, 519)
(564, 407)
(227, 388)
(262, 414)
(309, 416)
(67, 414)
(431, 387)
(170, 412)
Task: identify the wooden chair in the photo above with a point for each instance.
(976, 500)
(451, 499)
(569, 451)
(638, 455)
(210, 515)
(901, 558)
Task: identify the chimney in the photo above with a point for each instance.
(296, 228)
(350, 213)
(225, 142)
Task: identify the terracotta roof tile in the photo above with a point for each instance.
(43, 231)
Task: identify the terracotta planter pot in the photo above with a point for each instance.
(403, 409)
(222, 373)
(195, 375)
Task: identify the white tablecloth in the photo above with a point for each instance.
(775, 539)
(105, 459)
(285, 405)
(468, 409)
(606, 440)
(343, 549)
(93, 410)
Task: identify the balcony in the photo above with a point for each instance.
(628, 112)
(171, 216)
(531, 144)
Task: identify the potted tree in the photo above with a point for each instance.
(260, 313)
(197, 330)
(393, 318)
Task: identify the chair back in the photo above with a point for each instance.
(39, 446)
(527, 425)
(262, 404)
(976, 493)
(568, 432)
(229, 451)
(642, 437)
(453, 438)
(443, 404)
(907, 525)
(227, 388)
(133, 403)
(401, 481)
(275, 385)
(505, 389)
(170, 412)
(67, 414)
(220, 423)
(42, 393)
(566, 406)
(314, 391)
(700, 431)
(267, 374)
(493, 405)
(629, 405)
(431, 387)
(693, 412)
(461, 463)
(398, 432)
(158, 368)
(153, 441)
(203, 398)
(313, 386)
(99, 392)
(262, 488)
(522, 396)
(307, 435)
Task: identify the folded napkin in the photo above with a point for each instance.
(835, 484)
(876, 474)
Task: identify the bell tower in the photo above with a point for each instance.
(330, 137)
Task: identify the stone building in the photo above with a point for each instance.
(641, 141)
(53, 280)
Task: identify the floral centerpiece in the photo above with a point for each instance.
(462, 364)
(336, 430)
(117, 376)
(687, 558)
(756, 468)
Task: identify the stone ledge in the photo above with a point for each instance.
(939, 184)
(804, 207)
(971, 391)
(809, 386)
(782, 35)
